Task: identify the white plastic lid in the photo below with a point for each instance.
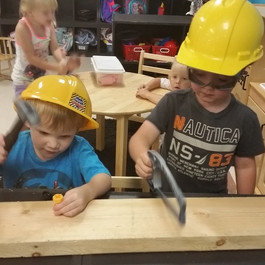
(107, 64)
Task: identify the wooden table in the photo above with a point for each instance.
(119, 102)
(116, 226)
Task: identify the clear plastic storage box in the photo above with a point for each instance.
(109, 70)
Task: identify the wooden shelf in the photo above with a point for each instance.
(166, 20)
(147, 27)
(150, 24)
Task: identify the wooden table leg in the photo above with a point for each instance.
(100, 133)
(121, 145)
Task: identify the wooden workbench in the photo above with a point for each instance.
(29, 229)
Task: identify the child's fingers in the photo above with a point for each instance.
(74, 59)
(63, 51)
(3, 152)
(73, 63)
(60, 52)
(62, 67)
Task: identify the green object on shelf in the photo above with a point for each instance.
(64, 37)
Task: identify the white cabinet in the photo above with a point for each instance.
(256, 101)
(249, 92)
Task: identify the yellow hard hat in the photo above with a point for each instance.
(224, 37)
(65, 90)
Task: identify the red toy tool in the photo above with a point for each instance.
(161, 10)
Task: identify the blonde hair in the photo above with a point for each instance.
(56, 117)
(28, 5)
(176, 64)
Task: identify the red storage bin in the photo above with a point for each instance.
(170, 51)
(132, 52)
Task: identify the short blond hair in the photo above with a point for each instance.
(56, 116)
(177, 64)
(28, 5)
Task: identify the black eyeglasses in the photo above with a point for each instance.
(224, 86)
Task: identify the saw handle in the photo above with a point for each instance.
(11, 137)
(161, 170)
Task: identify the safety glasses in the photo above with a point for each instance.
(228, 83)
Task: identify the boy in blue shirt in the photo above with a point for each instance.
(49, 154)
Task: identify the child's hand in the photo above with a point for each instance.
(62, 67)
(142, 92)
(143, 166)
(59, 53)
(142, 86)
(73, 63)
(3, 152)
(74, 202)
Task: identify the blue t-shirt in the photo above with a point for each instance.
(74, 167)
(257, 1)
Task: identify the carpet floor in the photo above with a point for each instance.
(107, 156)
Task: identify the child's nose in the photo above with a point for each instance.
(177, 80)
(53, 143)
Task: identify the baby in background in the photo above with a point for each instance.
(177, 79)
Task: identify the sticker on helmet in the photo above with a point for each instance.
(78, 102)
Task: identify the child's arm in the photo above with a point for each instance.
(23, 38)
(139, 144)
(144, 90)
(57, 52)
(76, 200)
(146, 94)
(3, 152)
(152, 84)
(245, 168)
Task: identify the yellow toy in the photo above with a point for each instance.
(57, 198)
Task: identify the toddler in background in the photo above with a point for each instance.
(50, 155)
(177, 79)
(34, 39)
